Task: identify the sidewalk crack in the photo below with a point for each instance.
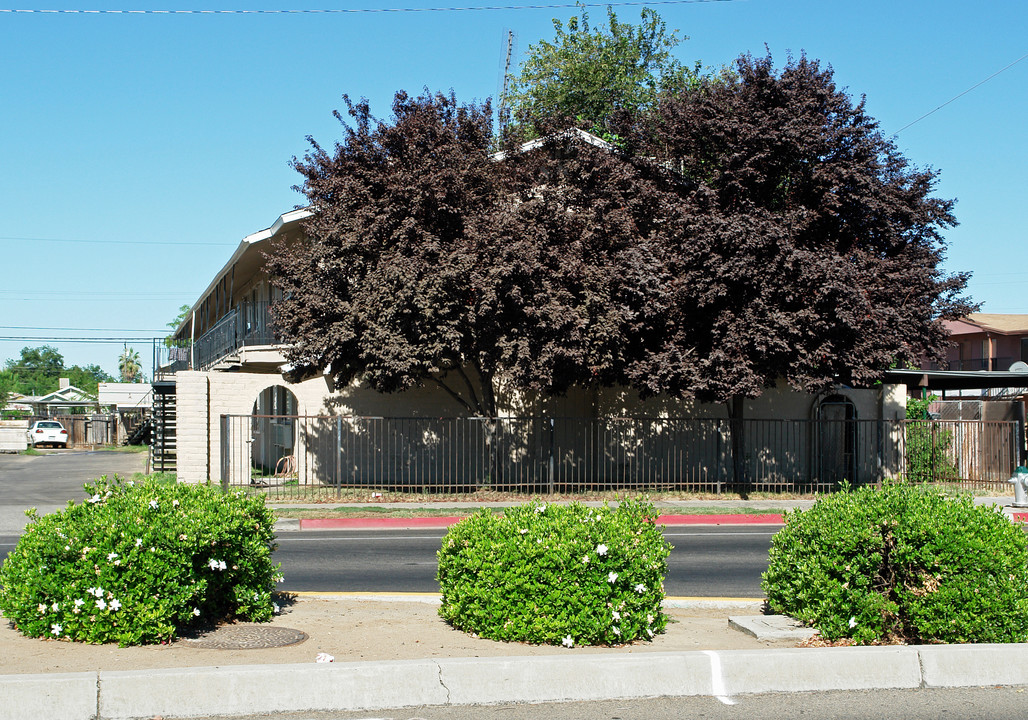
(439, 667)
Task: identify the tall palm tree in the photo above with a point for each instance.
(128, 365)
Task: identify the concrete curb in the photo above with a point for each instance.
(268, 689)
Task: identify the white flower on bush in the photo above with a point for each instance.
(540, 509)
(217, 564)
(275, 608)
(112, 556)
(56, 628)
(616, 630)
(94, 499)
(153, 505)
(601, 549)
(567, 641)
(41, 608)
(280, 579)
(585, 559)
(79, 602)
(97, 592)
(616, 615)
(139, 541)
(640, 588)
(55, 607)
(130, 483)
(853, 622)
(115, 605)
(101, 604)
(649, 632)
(523, 530)
(196, 612)
(612, 576)
(174, 503)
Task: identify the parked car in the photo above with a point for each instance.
(47, 432)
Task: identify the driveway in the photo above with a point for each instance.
(49, 480)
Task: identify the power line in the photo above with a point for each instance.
(71, 329)
(112, 340)
(354, 11)
(957, 97)
(109, 242)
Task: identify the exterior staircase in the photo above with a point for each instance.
(163, 448)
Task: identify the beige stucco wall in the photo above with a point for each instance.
(204, 397)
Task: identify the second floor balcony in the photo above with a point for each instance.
(246, 326)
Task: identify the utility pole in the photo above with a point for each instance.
(510, 48)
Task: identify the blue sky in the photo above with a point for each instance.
(137, 150)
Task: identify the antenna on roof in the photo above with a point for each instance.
(510, 45)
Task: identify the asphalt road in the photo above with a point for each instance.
(707, 561)
(49, 480)
(988, 703)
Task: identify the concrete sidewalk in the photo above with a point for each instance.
(256, 689)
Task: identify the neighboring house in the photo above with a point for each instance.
(986, 341)
(65, 400)
(18, 404)
(125, 397)
(225, 360)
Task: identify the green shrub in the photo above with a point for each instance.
(928, 447)
(902, 563)
(556, 574)
(140, 562)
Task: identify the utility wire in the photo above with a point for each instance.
(111, 340)
(957, 97)
(111, 242)
(72, 329)
(351, 11)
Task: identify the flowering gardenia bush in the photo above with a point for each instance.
(901, 563)
(556, 574)
(139, 562)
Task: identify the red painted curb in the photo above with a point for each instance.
(444, 522)
(720, 519)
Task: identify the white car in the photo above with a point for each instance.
(47, 432)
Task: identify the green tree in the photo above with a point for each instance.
(588, 73)
(36, 372)
(128, 366)
(5, 391)
(183, 313)
(87, 378)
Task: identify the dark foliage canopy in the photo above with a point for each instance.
(754, 228)
(810, 250)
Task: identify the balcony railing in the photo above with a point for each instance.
(246, 326)
(995, 363)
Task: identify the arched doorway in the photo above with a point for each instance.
(273, 434)
(835, 429)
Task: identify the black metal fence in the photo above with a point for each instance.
(297, 456)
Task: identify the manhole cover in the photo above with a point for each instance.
(245, 637)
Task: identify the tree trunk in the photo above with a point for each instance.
(493, 429)
(737, 431)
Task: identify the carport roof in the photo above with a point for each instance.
(958, 379)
